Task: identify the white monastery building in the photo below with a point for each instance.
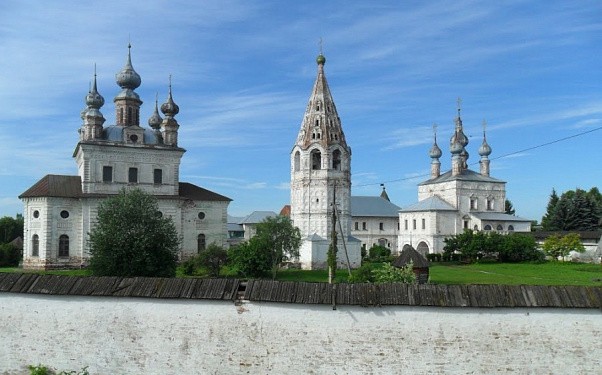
(375, 221)
(456, 200)
(60, 211)
(321, 181)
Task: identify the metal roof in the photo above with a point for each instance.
(498, 216)
(433, 203)
(465, 175)
(71, 187)
(257, 217)
(53, 185)
(373, 206)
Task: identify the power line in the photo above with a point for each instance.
(495, 158)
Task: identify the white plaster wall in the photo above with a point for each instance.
(144, 336)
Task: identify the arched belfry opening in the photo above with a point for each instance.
(336, 160)
(316, 160)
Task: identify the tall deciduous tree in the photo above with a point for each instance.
(11, 228)
(558, 246)
(132, 238)
(282, 238)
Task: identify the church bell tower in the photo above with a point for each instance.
(321, 178)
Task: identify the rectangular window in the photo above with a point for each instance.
(158, 176)
(107, 174)
(357, 226)
(133, 175)
(364, 225)
(405, 224)
(381, 226)
(414, 223)
(423, 223)
(473, 203)
(465, 224)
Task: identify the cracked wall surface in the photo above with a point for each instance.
(135, 336)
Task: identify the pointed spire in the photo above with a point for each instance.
(321, 123)
(155, 120)
(127, 78)
(435, 152)
(485, 149)
(170, 108)
(384, 194)
(93, 118)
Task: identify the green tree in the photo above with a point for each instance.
(519, 247)
(558, 246)
(281, 239)
(11, 228)
(251, 259)
(509, 209)
(212, 259)
(132, 238)
(546, 220)
(574, 210)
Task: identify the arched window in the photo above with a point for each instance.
(129, 115)
(316, 160)
(382, 242)
(422, 248)
(297, 161)
(35, 245)
(200, 242)
(510, 228)
(476, 227)
(499, 227)
(63, 245)
(121, 116)
(490, 204)
(336, 160)
(487, 227)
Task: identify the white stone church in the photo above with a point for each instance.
(456, 200)
(60, 211)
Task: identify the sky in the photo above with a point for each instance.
(242, 73)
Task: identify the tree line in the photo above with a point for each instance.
(574, 210)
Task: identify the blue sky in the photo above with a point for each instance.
(243, 70)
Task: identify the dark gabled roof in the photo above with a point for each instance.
(409, 254)
(197, 193)
(465, 175)
(53, 185)
(584, 235)
(372, 206)
(71, 187)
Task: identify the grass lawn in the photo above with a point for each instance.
(549, 273)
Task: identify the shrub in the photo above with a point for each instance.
(209, 262)
(10, 256)
(363, 274)
(436, 257)
(378, 254)
(390, 274)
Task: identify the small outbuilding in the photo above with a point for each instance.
(420, 264)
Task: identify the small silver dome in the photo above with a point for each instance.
(127, 78)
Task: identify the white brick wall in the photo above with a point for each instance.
(144, 336)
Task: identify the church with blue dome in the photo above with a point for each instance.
(60, 211)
